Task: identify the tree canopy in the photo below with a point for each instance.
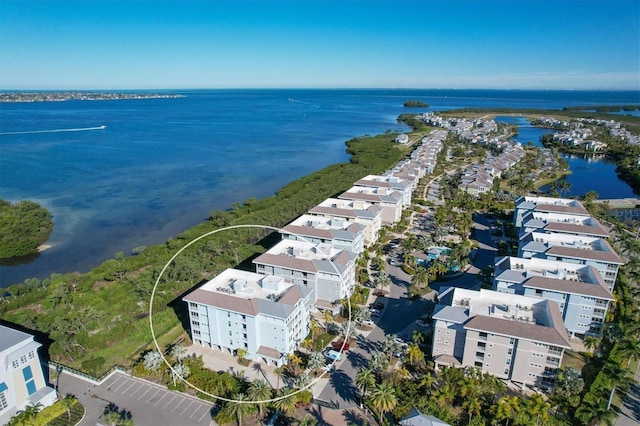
(23, 227)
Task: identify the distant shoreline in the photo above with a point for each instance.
(79, 96)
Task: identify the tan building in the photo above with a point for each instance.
(513, 337)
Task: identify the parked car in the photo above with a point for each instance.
(379, 293)
(375, 313)
(378, 305)
(334, 355)
(367, 322)
(422, 323)
(337, 345)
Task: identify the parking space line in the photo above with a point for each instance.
(148, 389)
(205, 413)
(192, 401)
(115, 381)
(127, 389)
(179, 404)
(195, 411)
(174, 397)
(160, 399)
(149, 400)
(124, 383)
(142, 386)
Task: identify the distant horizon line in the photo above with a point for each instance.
(5, 90)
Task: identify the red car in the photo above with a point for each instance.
(337, 345)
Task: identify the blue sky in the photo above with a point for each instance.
(514, 44)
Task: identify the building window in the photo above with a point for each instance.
(15, 364)
(3, 401)
(23, 359)
(28, 380)
(31, 355)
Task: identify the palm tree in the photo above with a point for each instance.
(414, 355)
(629, 348)
(258, 392)
(152, 361)
(238, 407)
(328, 319)
(178, 352)
(472, 405)
(417, 336)
(618, 375)
(180, 371)
(68, 402)
(506, 408)
(594, 411)
(591, 343)
(287, 404)
(538, 407)
(384, 399)
(315, 361)
(365, 380)
(420, 279)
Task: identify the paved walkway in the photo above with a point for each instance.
(629, 414)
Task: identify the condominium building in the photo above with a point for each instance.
(391, 182)
(325, 270)
(526, 204)
(389, 200)
(514, 337)
(367, 214)
(579, 290)
(266, 315)
(562, 223)
(337, 231)
(571, 248)
(21, 377)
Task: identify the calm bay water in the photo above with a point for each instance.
(590, 172)
(162, 165)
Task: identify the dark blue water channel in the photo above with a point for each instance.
(589, 172)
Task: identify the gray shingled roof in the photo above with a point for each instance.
(10, 337)
(597, 290)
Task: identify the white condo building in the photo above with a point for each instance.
(329, 273)
(21, 378)
(263, 314)
(367, 214)
(526, 204)
(571, 248)
(579, 290)
(337, 231)
(513, 337)
(389, 200)
(403, 186)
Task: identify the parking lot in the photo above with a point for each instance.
(148, 403)
(186, 409)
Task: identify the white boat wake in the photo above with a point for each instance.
(31, 132)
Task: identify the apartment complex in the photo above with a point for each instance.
(387, 199)
(336, 231)
(579, 290)
(21, 377)
(570, 248)
(263, 314)
(513, 337)
(329, 273)
(362, 212)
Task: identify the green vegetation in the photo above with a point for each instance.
(599, 108)
(25, 225)
(65, 412)
(412, 103)
(100, 318)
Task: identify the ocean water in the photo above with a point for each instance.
(162, 165)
